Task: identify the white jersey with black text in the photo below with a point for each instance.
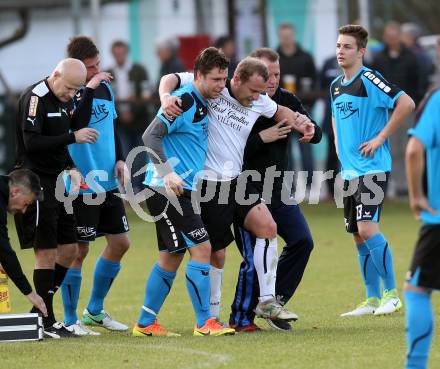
(230, 124)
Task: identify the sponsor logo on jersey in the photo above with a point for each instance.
(33, 103)
(99, 113)
(346, 109)
(337, 92)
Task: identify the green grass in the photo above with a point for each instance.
(320, 339)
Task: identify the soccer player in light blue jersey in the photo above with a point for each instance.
(102, 166)
(360, 100)
(424, 274)
(184, 139)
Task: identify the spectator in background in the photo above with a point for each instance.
(435, 78)
(298, 75)
(410, 35)
(397, 63)
(329, 72)
(130, 86)
(166, 51)
(227, 45)
(399, 66)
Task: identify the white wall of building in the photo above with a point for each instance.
(34, 56)
(164, 19)
(325, 23)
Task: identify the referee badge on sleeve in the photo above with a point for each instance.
(33, 106)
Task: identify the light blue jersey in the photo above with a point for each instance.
(427, 131)
(96, 161)
(186, 143)
(360, 110)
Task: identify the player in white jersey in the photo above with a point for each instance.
(231, 118)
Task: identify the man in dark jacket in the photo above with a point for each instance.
(330, 70)
(397, 63)
(399, 66)
(298, 75)
(266, 148)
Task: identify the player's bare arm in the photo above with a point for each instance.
(170, 104)
(276, 132)
(297, 121)
(98, 78)
(334, 135)
(415, 166)
(121, 172)
(404, 107)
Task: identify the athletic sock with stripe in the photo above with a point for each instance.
(419, 328)
(70, 293)
(383, 259)
(105, 272)
(369, 272)
(158, 286)
(197, 283)
(265, 262)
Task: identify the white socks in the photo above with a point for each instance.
(265, 262)
(215, 276)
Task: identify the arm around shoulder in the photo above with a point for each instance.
(168, 83)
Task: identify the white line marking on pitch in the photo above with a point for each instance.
(213, 359)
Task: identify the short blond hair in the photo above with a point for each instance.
(267, 53)
(250, 66)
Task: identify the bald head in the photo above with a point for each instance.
(67, 77)
(72, 69)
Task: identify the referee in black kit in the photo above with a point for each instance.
(44, 129)
(18, 190)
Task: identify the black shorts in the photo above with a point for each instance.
(425, 265)
(46, 224)
(176, 231)
(96, 220)
(366, 203)
(228, 202)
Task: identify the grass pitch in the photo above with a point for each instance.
(320, 339)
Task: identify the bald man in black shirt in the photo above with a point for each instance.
(45, 126)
